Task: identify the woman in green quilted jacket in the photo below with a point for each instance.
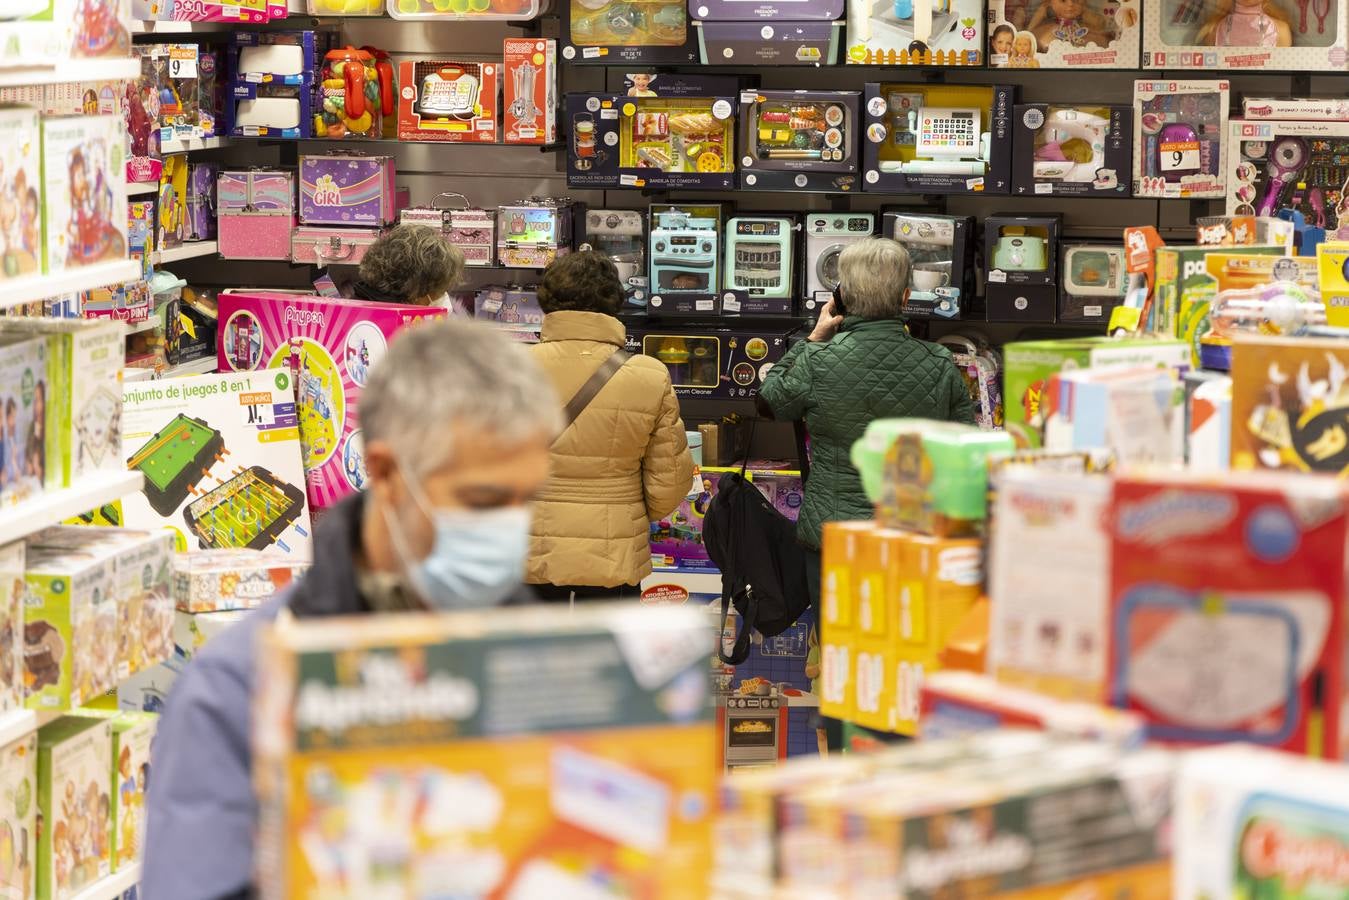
(859, 364)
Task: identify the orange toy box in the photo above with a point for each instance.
(513, 753)
(529, 91)
(841, 550)
(1227, 608)
(447, 100)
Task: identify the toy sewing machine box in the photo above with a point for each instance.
(937, 138)
(713, 362)
(74, 780)
(925, 33)
(84, 174)
(529, 91)
(1184, 288)
(329, 346)
(610, 32)
(1180, 138)
(1298, 166)
(221, 456)
(799, 140)
(18, 814)
(448, 100)
(1072, 151)
(1064, 34)
(1227, 608)
(1275, 35)
(530, 753)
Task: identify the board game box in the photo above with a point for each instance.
(221, 459)
(18, 816)
(132, 733)
(330, 345)
(216, 580)
(74, 799)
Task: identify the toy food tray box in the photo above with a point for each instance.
(1064, 34)
(467, 10)
(715, 362)
(1072, 151)
(347, 189)
(937, 139)
(216, 580)
(330, 345)
(686, 142)
(799, 140)
(903, 33)
(804, 43)
(1180, 138)
(446, 100)
(1278, 35)
(611, 32)
(1227, 608)
(1279, 165)
(545, 772)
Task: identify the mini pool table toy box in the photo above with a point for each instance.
(73, 783)
(531, 753)
(330, 346)
(18, 812)
(221, 459)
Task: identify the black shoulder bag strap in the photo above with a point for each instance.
(588, 391)
(749, 610)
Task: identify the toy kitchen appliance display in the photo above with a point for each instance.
(827, 235)
(1072, 151)
(941, 251)
(532, 233)
(759, 265)
(717, 362)
(754, 732)
(799, 140)
(619, 234)
(685, 245)
(1021, 253)
(1095, 280)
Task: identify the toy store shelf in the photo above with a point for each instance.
(180, 145)
(112, 887)
(186, 251)
(40, 287)
(151, 324)
(54, 507)
(71, 70)
(135, 188)
(196, 367)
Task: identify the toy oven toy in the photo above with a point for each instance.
(1095, 280)
(256, 213)
(532, 233)
(941, 253)
(714, 362)
(759, 256)
(798, 139)
(685, 248)
(827, 235)
(620, 234)
(754, 732)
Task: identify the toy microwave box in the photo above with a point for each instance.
(84, 179)
(1064, 34)
(612, 32)
(1227, 607)
(1285, 165)
(276, 57)
(903, 33)
(1276, 35)
(786, 43)
(272, 110)
(799, 140)
(1094, 281)
(256, 213)
(937, 138)
(714, 362)
(541, 770)
(1072, 151)
(529, 91)
(330, 345)
(1180, 138)
(447, 100)
(1022, 258)
(347, 189)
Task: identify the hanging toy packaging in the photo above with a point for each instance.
(1180, 138)
(529, 91)
(1292, 35)
(1063, 34)
(477, 10)
(1293, 167)
(620, 31)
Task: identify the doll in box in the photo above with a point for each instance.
(1023, 52)
(1070, 21)
(1242, 23)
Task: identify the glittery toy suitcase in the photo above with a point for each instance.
(256, 213)
(322, 246)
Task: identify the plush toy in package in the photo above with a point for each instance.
(84, 171)
(529, 753)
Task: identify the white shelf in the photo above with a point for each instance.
(15, 724)
(170, 27)
(186, 251)
(197, 367)
(138, 373)
(114, 886)
(180, 145)
(149, 324)
(53, 507)
(71, 70)
(40, 287)
(136, 188)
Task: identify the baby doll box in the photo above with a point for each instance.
(798, 43)
(799, 140)
(614, 32)
(464, 10)
(319, 245)
(256, 213)
(1064, 34)
(347, 189)
(1224, 35)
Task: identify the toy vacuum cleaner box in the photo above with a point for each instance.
(712, 362)
(329, 345)
(447, 100)
(612, 32)
(1276, 35)
(799, 140)
(531, 753)
(937, 138)
(1072, 151)
(904, 33)
(529, 91)
(1180, 138)
(1064, 34)
(1227, 608)
(1278, 166)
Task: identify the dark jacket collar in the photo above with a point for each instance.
(857, 323)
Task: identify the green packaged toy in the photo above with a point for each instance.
(74, 798)
(68, 604)
(132, 733)
(1185, 290)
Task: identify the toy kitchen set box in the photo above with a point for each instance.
(330, 345)
(663, 131)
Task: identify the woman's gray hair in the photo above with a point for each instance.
(412, 262)
(450, 374)
(873, 275)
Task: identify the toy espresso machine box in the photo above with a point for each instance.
(533, 753)
(619, 234)
(941, 249)
(768, 32)
(799, 140)
(330, 345)
(529, 91)
(612, 32)
(713, 362)
(937, 138)
(905, 33)
(1275, 35)
(1072, 151)
(684, 259)
(1180, 138)
(1064, 34)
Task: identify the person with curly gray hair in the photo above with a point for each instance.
(409, 264)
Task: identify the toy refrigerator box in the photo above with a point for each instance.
(74, 784)
(1227, 608)
(221, 459)
(84, 172)
(18, 815)
(1289, 407)
(330, 345)
(532, 753)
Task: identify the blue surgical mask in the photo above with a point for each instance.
(476, 560)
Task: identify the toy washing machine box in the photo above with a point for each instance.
(799, 140)
(922, 33)
(1220, 35)
(768, 32)
(1072, 151)
(827, 235)
(758, 273)
(1064, 34)
(619, 234)
(713, 362)
(330, 345)
(941, 250)
(685, 258)
(613, 32)
(1021, 254)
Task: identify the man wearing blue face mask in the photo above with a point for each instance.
(457, 423)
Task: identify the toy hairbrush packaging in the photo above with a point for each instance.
(74, 800)
(609, 32)
(799, 140)
(447, 100)
(529, 91)
(1290, 165)
(605, 767)
(1072, 151)
(84, 177)
(903, 33)
(1064, 34)
(1180, 138)
(21, 194)
(1227, 608)
(1287, 35)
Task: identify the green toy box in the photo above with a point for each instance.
(69, 607)
(1028, 366)
(18, 814)
(74, 798)
(11, 626)
(132, 733)
(1184, 289)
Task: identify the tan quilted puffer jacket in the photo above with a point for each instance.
(623, 463)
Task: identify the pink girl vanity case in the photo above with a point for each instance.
(256, 213)
(328, 245)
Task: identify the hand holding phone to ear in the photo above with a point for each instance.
(827, 325)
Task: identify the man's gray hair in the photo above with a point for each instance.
(873, 275)
(453, 373)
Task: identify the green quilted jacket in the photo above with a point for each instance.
(872, 369)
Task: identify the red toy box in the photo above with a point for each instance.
(445, 100)
(529, 91)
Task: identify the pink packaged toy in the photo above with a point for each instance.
(347, 189)
(256, 213)
(322, 246)
(330, 345)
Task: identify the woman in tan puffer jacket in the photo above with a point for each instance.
(623, 463)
